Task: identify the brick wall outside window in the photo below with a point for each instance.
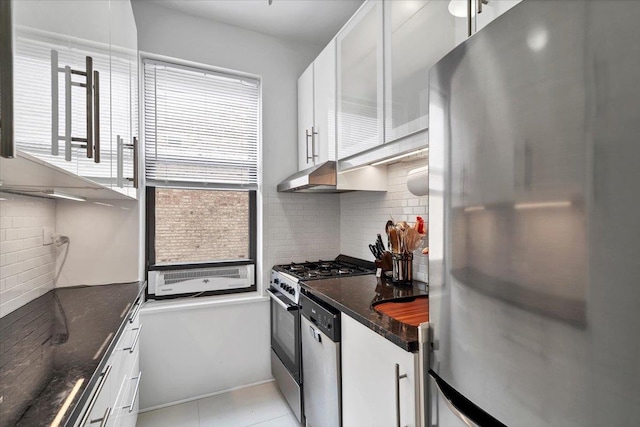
(201, 225)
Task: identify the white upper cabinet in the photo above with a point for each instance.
(75, 87)
(359, 81)
(417, 34)
(124, 95)
(324, 101)
(59, 48)
(316, 110)
(305, 119)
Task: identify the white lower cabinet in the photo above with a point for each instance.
(114, 400)
(369, 377)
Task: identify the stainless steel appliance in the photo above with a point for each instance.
(284, 290)
(534, 209)
(321, 363)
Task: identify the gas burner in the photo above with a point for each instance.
(342, 266)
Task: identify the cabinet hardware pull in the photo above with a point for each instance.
(136, 176)
(7, 143)
(469, 2)
(89, 93)
(96, 115)
(480, 3)
(134, 148)
(94, 398)
(67, 113)
(398, 378)
(313, 142)
(135, 340)
(135, 392)
(104, 419)
(93, 122)
(55, 136)
(135, 312)
(120, 167)
(309, 135)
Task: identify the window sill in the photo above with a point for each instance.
(153, 306)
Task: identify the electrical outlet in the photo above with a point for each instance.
(47, 235)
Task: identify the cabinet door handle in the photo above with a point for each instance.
(313, 142)
(94, 399)
(96, 115)
(120, 166)
(398, 378)
(135, 312)
(134, 148)
(55, 128)
(136, 172)
(7, 144)
(309, 135)
(89, 94)
(135, 340)
(469, 3)
(480, 3)
(135, 392)
(104, 419)
(67, 113)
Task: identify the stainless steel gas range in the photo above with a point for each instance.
(284, 290)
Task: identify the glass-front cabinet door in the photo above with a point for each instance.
(124, 95)
(61, 67)
(417, 34)
(359, 82)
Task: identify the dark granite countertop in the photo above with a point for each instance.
(55, 342)
(354, 296)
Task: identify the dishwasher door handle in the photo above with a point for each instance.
(315, 334)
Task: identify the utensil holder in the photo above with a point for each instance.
(402, 268)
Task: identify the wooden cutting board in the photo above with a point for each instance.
(412, 313)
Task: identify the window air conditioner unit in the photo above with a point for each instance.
(175, 282)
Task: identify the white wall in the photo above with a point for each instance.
(26, 264)
(103, 242)
(364, 214)
(192, 352)
(294, 226)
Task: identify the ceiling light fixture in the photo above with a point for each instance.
(402, 156)
(59, 195)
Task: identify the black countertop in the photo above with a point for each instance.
(56, 341)
(355, 296)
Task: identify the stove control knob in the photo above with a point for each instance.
(292, 291)
(276, 281)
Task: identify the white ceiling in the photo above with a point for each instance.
(308, 21)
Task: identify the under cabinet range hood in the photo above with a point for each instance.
(321, 178)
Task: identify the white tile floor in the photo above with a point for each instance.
(258, 406)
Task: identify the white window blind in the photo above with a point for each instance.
(200, 126)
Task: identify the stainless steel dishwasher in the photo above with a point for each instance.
(320, 331)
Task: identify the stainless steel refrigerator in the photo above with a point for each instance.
(534, 220)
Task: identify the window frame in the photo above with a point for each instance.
(150, 188)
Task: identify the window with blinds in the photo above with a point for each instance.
(200, 126)
(201, 136)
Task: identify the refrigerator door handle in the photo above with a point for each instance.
(468, 412)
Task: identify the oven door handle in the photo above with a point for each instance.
(288, 307)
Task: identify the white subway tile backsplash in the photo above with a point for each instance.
(26, 266)
(364, 214)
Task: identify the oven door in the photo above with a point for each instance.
(285, 332)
